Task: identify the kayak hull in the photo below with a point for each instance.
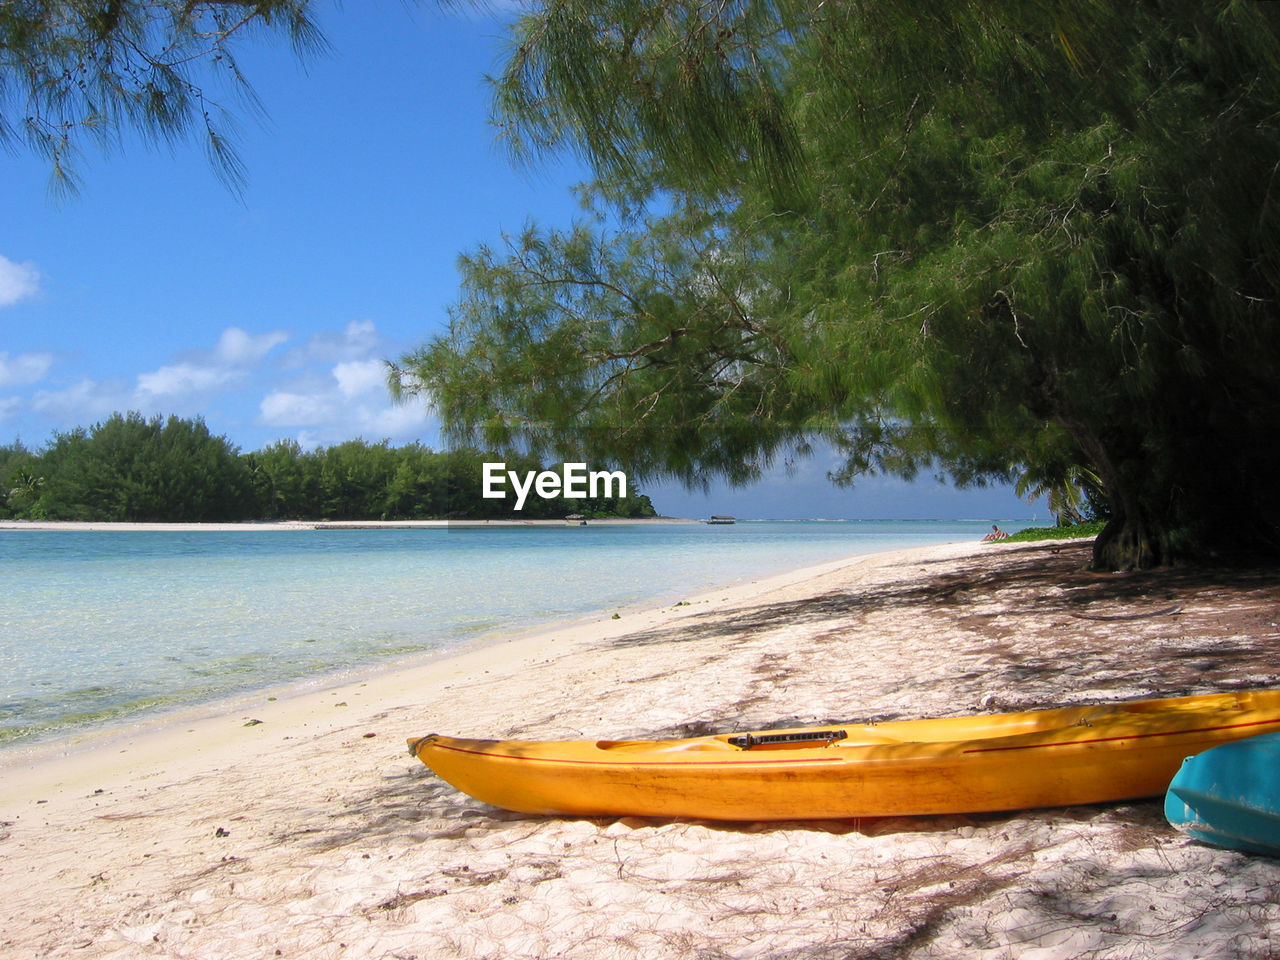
(1230, 796)
(970, 764)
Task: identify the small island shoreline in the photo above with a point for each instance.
(274, 525)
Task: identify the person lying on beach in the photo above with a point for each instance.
(995, 534)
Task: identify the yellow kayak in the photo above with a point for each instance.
(1011, 761)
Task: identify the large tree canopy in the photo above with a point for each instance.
(77, 69)
(982, 238)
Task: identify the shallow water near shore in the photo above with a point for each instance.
(106, 626)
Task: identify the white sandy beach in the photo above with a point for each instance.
(313, 834)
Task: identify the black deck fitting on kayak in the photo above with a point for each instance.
(418, 744)
(748, 741)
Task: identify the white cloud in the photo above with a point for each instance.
(340, 392)
(360, 377)
(349, 405)
(235, 354)
(24, 368)
(242, 383)
(84, 402)
(180, 379)
(17, 281)
(186, 387)
(236, 348)
(399, 420)
(359, 340)
(283, 408)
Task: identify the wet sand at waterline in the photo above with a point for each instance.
(311, 832)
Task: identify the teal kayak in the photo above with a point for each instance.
(1230, 795)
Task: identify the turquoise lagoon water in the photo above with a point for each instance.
(98, 627)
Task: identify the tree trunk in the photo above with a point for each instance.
(1131, 540)
(1124, 544)
(1134, 538)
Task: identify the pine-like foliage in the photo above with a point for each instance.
(77, 69)
(982, 238)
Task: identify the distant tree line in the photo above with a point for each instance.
(129, 468)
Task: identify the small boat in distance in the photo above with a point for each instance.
(576, 520)
(1230, 796)
(1013, 761)
(720, 519)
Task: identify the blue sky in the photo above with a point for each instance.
(271, 314)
